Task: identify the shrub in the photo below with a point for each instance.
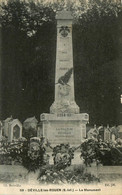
(31, 155)
(101, 152)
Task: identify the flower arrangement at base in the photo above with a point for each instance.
(31, 154)
(100, 152)
(88, 151)
(52, 175)
(63, 154)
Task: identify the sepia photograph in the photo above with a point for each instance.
(60, 97)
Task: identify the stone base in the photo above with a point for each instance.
(64, 128)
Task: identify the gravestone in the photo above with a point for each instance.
(30, 123)
(107, 134)
(14, 130)
(65, 123)
(92, 133)
(113, 137)
(6, 126)
(119, 131)
(39, 130)
(101, 132)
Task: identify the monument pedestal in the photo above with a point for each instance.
(64, 128)
(64, 124)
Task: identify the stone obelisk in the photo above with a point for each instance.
(64, 79)
(64, 124)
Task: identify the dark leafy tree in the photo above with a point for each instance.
(29, 49)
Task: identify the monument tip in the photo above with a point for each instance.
(64, 14)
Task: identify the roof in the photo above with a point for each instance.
(100, 127)
(106, 129)
(64, 15)
(113, 129)
(120, 129)
(92, 131)
(14, 120)
(28, 120)
(34, 138)
(8, 119)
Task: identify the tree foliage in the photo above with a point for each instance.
(29, 50)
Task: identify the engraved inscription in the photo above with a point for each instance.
(62, 132)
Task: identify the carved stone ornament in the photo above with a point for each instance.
(64, 90)
(64, 107)
(64, 30)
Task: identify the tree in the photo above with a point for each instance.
(29, 29)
